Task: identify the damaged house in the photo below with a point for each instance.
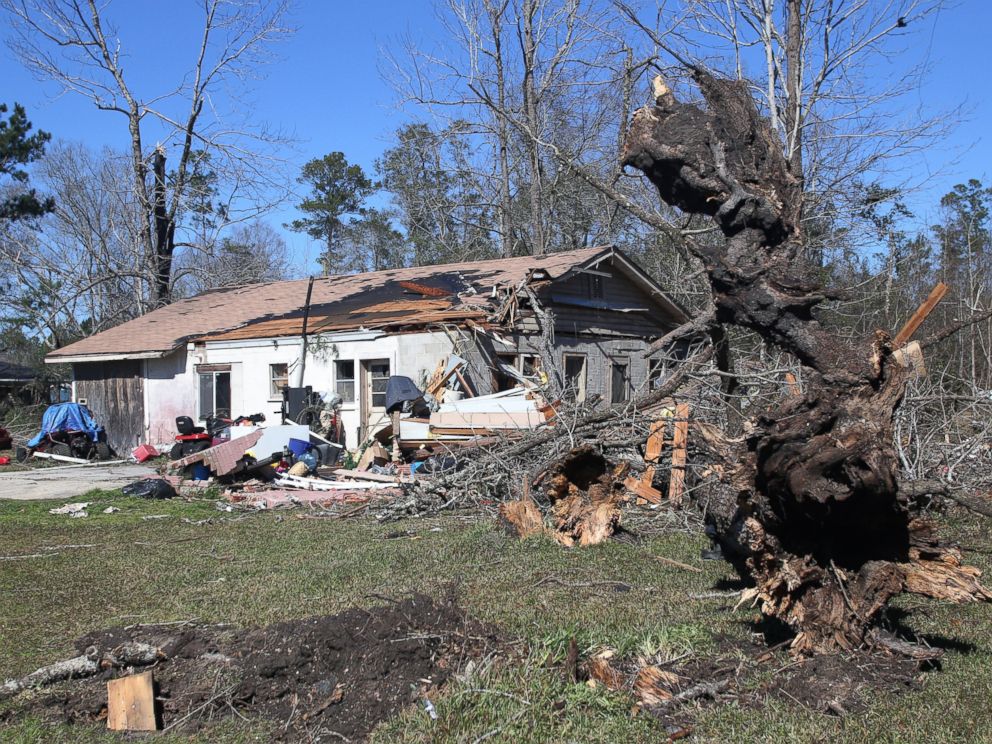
(234, 349)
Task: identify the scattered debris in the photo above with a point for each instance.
(77, 509)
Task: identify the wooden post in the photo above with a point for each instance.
(676, 486)
(907, 331)
(131, 703)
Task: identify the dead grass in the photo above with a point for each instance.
(126, 569)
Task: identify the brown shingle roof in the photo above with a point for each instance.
(225, 309)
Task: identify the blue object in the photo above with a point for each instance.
(309, 459)
(298, 446)
(415, 466)
(67, 417)
(201, 472)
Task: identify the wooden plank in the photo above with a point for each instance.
(365, 476)
(907, 331)
(676, 486)
(646, 492)
(466, 388)
(794, 389)
(131, 703)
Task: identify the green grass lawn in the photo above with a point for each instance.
(121, 568)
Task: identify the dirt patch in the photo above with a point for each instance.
(837, 683)
(748, 674)
(340, 673)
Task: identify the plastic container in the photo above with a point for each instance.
(144, 452)
(298, 446)
(201, 472)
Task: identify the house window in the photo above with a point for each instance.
(502, 380)
(619, 382)
(656, 370)
(344, 379)
(378, 376)
(278, 379)
(575, 377)
(594, 286)
(215, 394)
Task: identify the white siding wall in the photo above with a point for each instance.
(172, 384)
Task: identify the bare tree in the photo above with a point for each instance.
(252, 252)
(535, 78)
(79, 269)
(73, 44)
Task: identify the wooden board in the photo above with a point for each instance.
(907, 331)
(676, 486)
(131, 703)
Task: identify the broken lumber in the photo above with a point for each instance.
(676, 486)
(644, 487)
(917, 318)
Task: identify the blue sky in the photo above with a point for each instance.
(324, 87)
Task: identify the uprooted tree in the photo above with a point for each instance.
(809, 504)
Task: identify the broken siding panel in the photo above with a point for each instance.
(114, 393)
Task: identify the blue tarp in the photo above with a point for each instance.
(67, 417)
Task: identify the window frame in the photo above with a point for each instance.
(275, 392)
(625, 363)
(580, 390)
(212, 374)
(338, 379)
(656, 371)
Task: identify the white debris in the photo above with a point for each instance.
(77, 509)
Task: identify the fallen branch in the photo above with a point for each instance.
(677, 564)
(703, 689)
(90, 663)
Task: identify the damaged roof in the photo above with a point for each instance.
(373, 300)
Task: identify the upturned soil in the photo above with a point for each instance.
(340, 674)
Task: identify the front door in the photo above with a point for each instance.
(375, 375)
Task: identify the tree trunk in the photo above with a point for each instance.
(502, 132)
(533, 124)
(809, 507)
(165, 232)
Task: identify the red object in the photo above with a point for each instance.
(4, 461)
(144, 452)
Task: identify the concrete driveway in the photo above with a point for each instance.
(68, 482)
